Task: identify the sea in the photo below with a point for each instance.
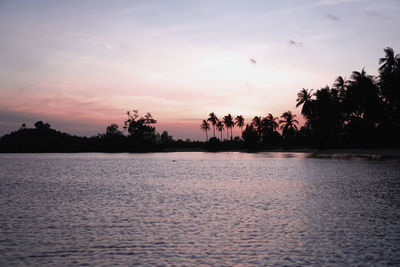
(198, 209)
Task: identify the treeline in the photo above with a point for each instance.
(362, 111)
(140, 136)
(260, 133)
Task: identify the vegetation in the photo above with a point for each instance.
(362, 111)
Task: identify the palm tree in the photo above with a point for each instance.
(388, 63)
(220, 127)
(341, 84)
(358, 77)
(268, 127)
(228, 120)
(389, 77)
(304, 98)
(363, 96)
(270, 122)
(205, 127)
(288, 124)
(213, 119)
(239, 120)
(256, 123)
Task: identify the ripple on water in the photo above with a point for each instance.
(198, 208)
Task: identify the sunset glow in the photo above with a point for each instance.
(81, 65)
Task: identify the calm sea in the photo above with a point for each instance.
(198, 209)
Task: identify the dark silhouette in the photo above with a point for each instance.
(229, 123)
(239, 121)
(112, 130)
(269, 127)
(360, 112)
(205, 127)
(251, 137)
(288, 126)
(363, 111)
(213, 119)
(220, 127)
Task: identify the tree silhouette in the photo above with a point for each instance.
(363, 111)
(112, 130)
(42, 126)
(268, 128)
(213, 119)
(166, 139)
(389, 78)
(363, 95)
(341, 84)
(250, 137)
(228, 121)
(220, 127)
(256, 123)
(140, 129)
(269, 124)
(205, 127)
(288, 124)
(304, 98)
(389, 62)
(239, 120)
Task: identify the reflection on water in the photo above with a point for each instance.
(198, 208)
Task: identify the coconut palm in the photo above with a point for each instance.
(256, 123)
(213, 119)
(363, 96)
(304, 98)
(220, 127)
(228, 120)
(389, 77)
(341, 84)
(205, 127)
(288, 123)
(268, 127)
(239, 120)
(270, 122)
(388, 63)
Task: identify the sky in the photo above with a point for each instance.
(80, 65)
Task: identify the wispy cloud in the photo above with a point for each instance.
(335, 2)
(332, 17)
(374, 13)
(295, 43)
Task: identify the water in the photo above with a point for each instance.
(198, 209)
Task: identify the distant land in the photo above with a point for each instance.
(360, 112)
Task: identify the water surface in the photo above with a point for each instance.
(198, 208)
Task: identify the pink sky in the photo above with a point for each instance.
(81, 66)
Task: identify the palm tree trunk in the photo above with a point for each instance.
(231, 132)
(221, 135)
(206, 136)
(214, 130)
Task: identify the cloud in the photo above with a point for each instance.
(332, 17)
(374, 13)
(253, 61)
(335, 2)
(124, 46)
(295, 43)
